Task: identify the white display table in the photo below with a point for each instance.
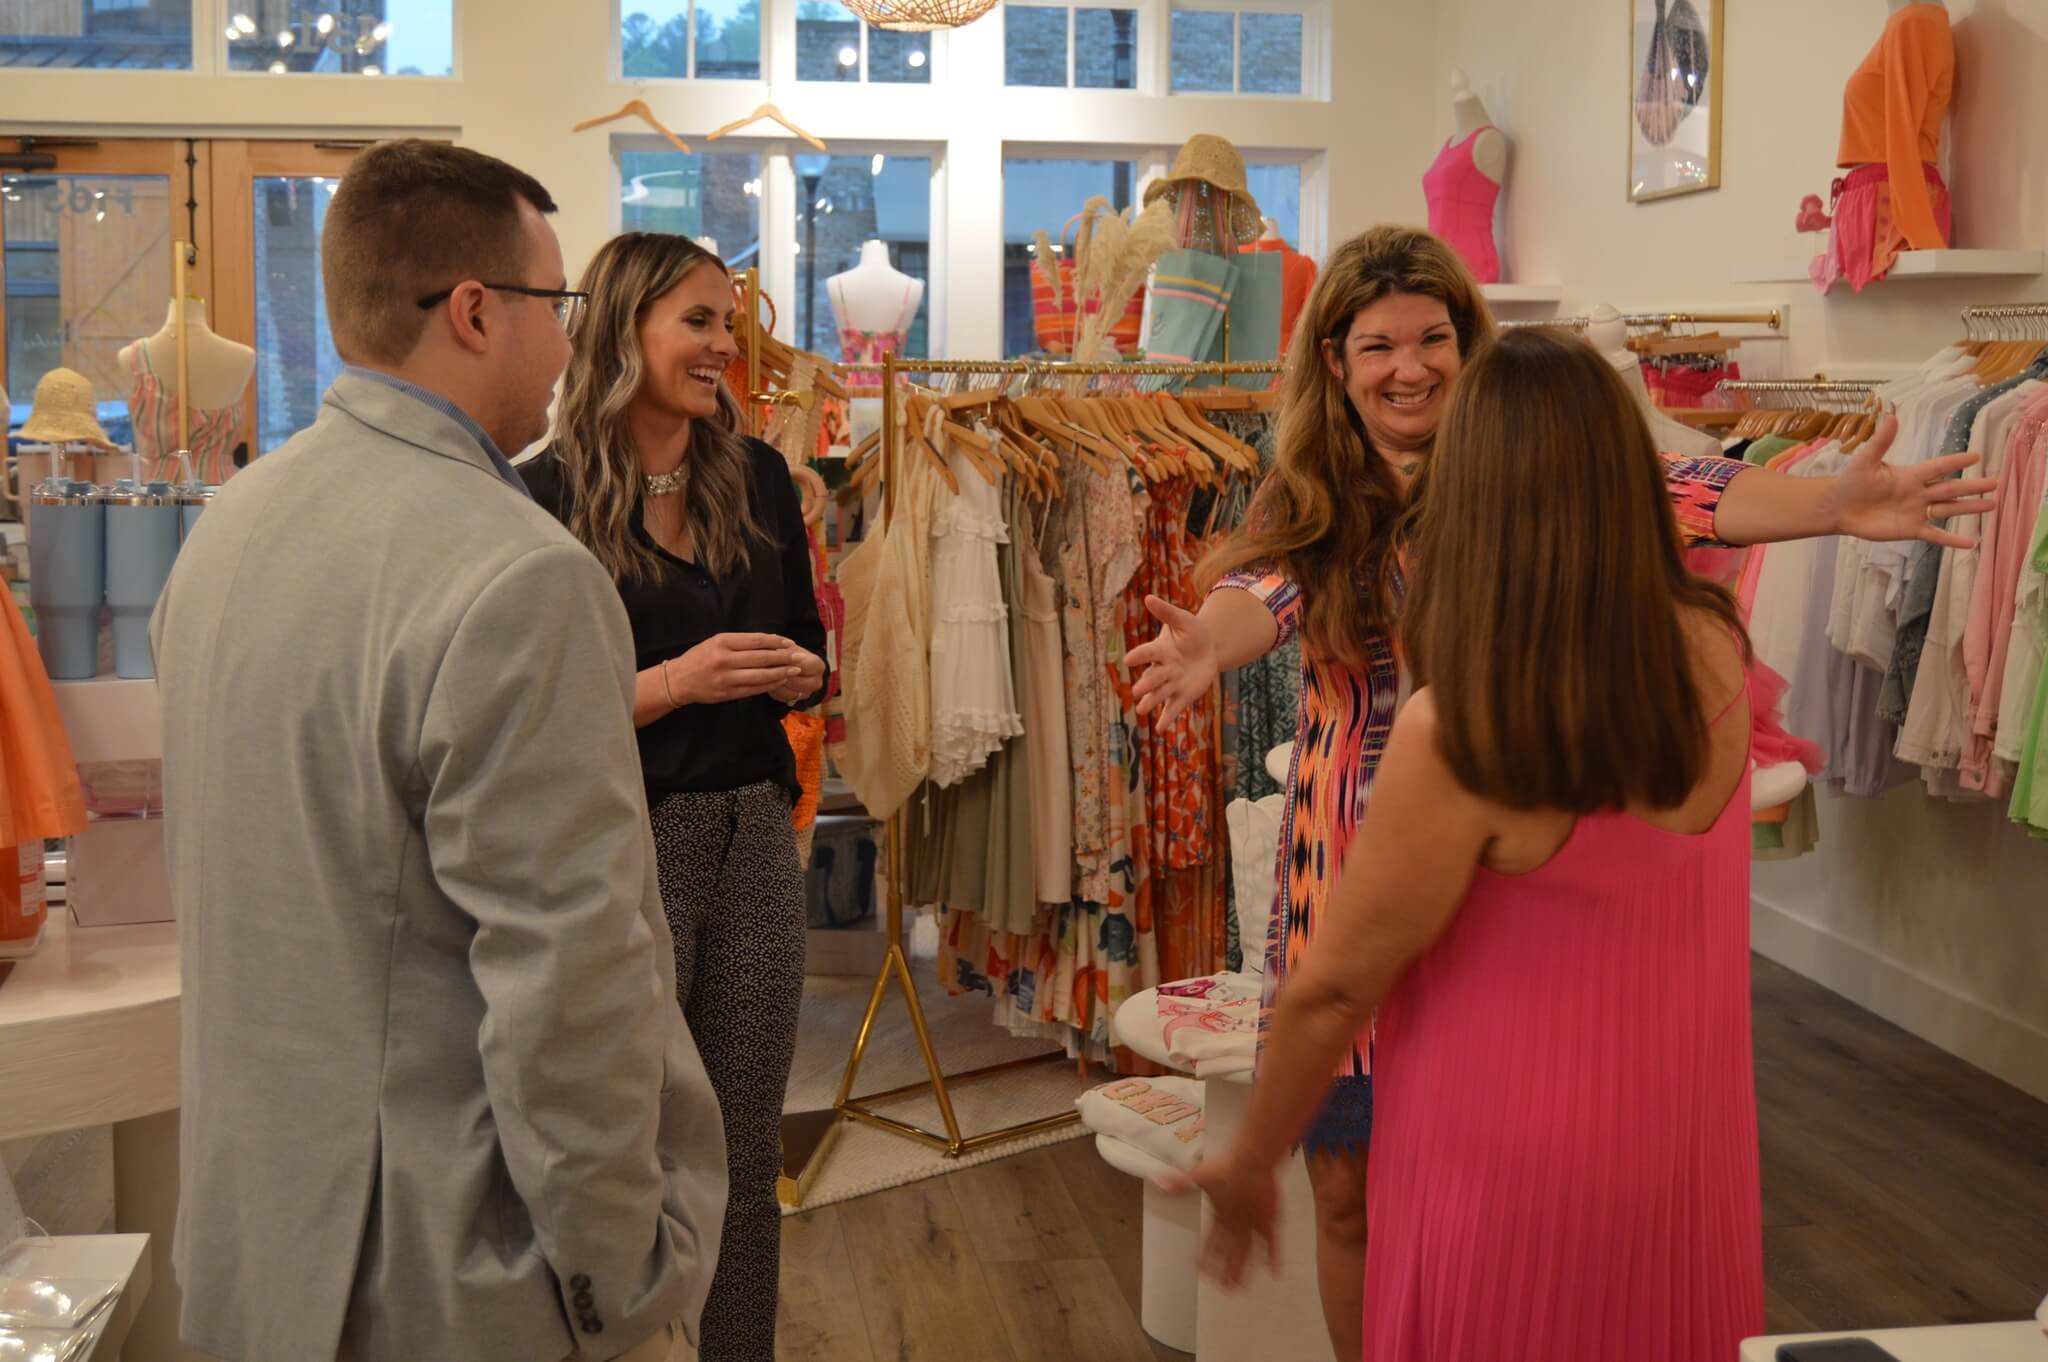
(89, 1037)
(1270, 1316)
(2021, 1342)
(110, 1257)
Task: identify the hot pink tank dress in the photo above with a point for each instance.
(1461, 207)
(1564, 1156)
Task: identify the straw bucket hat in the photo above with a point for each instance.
(63, 412)
(1211, 160)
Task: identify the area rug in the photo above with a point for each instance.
(862, 1159)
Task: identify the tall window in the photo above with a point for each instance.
(1053, 45)
(705, 39)
(833, 45)
(342, 37)
(134, 35)
(842, 203)
(713, 196)
(1250, 51)
(1040, 195)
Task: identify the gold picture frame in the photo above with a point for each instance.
(1674, 98)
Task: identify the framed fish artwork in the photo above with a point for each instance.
(1674, 98)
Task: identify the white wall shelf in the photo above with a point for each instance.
(1528, 295)
(1945, 264)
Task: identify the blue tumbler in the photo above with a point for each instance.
(193, 497)
(67, 537)
(142, 542)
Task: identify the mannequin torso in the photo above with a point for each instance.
(1608, 334)
(217, 369)
(1490, 148)
(1463, 184)
(873, 304)
(217, 376)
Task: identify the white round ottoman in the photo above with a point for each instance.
(1172, 1233)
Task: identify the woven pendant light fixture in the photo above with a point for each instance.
(919, 16)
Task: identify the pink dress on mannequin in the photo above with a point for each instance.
(1461, 200)
(1564, 1160)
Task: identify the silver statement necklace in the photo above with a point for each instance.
(661, 484)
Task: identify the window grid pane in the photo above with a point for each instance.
(864, 198)
(709, 194)
(1042, 195)
(728, 40)
(827, 41)
(345, 37)
(100, 236)
(1106, 49)
(142, 37)
(1278, 190)
(1204, 51)
(654, 39)
(1269, 53)
(1034, 45)
(899, 58)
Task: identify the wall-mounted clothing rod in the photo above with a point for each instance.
(1562, 323)
(1993, 318)
(1774, 319)
(1802, 385)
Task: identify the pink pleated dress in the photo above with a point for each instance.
(1564, 1159)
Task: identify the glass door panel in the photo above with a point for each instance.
(273, 199)
(85, 268)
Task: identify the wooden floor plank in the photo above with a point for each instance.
(921, 1288)
(1901, 1187)
(1113, 1206)
(819, 1317)
(1067, 1310)
(1018, 1210)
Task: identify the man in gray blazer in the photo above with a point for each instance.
(439, 1104)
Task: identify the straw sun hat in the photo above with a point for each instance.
(63, 412)
(1208, 159)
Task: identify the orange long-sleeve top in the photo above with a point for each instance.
(1892, 113)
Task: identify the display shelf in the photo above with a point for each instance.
(1943, 264)
(1525, 294)
(110, 719)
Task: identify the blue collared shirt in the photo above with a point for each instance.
(453, 413)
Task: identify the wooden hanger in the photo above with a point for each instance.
(773, 114)
(636, 108)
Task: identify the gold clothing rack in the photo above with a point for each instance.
(1993, 316)
(1802, 385)
(952, 1143)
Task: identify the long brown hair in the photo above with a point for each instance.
(1326, 516)
(600, 469)
(1546, 611)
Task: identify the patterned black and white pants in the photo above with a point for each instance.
(734, 897)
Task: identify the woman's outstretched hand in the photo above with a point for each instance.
(1880, 501)
(1178, 667)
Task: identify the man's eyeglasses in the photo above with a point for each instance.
(568, 302)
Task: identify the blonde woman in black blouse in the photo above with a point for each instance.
(702, 531)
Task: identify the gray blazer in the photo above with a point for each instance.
(436, 1086)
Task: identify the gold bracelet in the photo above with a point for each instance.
(670, 694)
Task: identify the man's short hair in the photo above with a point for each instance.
(412, 218)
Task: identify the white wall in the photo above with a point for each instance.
(1932, 915)
(530, 69)
(1555, 77)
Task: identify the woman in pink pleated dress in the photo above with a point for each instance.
(1548, 908)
